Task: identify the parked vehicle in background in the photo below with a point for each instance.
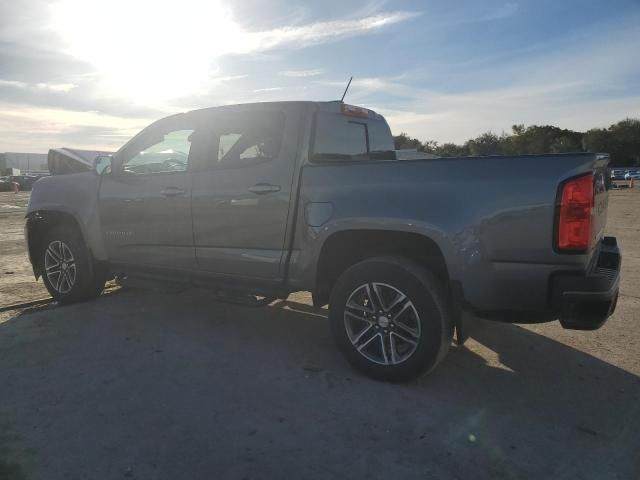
(273, 198)
(6, 185)
(25, 182)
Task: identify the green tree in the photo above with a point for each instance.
(542, 139)
(404, 141)
(452, 150)
(430, 146)
(486, 144)
(621, 140)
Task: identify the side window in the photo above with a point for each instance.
(163, 153)
(244, 139)
(227, 141)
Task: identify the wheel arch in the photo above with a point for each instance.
(344, 248)
(38, 223)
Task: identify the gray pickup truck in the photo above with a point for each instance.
(267, 199)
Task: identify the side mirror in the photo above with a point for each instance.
(102, 164)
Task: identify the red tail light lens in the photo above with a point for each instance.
(576, 215)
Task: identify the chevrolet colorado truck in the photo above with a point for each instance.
(267, 199)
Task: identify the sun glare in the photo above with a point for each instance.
(148, 50)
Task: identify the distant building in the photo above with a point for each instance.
(26, 162)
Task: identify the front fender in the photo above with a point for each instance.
(75, 195)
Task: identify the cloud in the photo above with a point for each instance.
(265, 90)
(227, 78)
(475, 15)
(35, 129)
(321, 32)
(13, 84)
(212, 33)
(54, 87)
(302, 73)
(174, 54)
(57, 87)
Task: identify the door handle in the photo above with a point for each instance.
(262, 188)
(172, 192)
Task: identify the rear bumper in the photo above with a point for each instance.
(585, 302)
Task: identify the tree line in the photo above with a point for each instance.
(621, 140)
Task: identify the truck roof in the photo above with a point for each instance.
(333, 106)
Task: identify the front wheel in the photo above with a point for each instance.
(390, 318)
(69, 273)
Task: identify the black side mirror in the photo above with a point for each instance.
(102, 164)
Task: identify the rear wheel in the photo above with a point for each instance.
(390, 318)
(69, 272)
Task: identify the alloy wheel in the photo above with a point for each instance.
(382, 323)
(60, 266)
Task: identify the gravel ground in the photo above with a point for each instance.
(152, 385)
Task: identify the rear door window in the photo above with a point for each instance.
(246, 138)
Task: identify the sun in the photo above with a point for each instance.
(148, 50)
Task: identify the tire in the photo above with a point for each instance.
(68, 270)
(416, 331)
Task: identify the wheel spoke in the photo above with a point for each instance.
(383, 347)
(59, 252)
(379, 301)
(359, 336)
(53, 276)
(362, 346)
(401, 297)
(370, 298)
(59, 281)
(50, 268)
(66, 253)
(392, 347)
(358, 318)
(65, 281)
(53, 254)
(415, 333)
(359, 308)
(72, 279)
(404, 308)
(405, 339)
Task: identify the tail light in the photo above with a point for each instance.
(575, 219)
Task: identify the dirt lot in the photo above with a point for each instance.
(169, 386)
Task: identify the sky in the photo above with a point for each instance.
(90, 74)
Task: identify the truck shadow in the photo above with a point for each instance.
(512, 403)
(513, 393)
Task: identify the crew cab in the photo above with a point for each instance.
(272, 198)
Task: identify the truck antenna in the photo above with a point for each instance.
(345, 90)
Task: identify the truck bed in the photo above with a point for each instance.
(491, 216)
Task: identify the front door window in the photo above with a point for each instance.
(167, 154)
